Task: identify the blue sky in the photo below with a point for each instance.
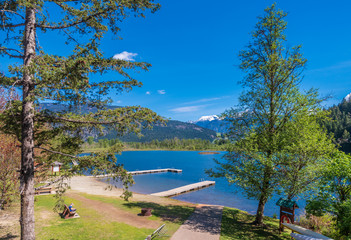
(193, 47)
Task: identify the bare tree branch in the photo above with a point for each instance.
(55, 152)
(73, 23)
(12, 25)
(86, 122)
(5, 50)
(13, 12)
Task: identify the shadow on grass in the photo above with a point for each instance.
(9, 236)
(171, 213)
(238, 225)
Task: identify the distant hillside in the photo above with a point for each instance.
(212, 122)
(173, 128)
(340, 123)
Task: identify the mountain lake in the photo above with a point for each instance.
(193, 165)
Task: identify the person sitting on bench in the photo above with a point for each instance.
(71, 209)
(69, 212)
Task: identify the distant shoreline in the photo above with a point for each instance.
(209, 153)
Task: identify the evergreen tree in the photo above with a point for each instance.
(66, 79)
(339, 124)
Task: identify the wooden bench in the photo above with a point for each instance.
(159, 232)
(304, 231)
(68, 214)
(46, 190)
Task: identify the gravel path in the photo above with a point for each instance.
(203, 224)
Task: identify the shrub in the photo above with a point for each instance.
(9, 162)
(343, 220)
(323, 224)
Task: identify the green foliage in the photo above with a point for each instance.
(339, 124)
(334, 193)
(9, 163)
(304, 154)
(274, 126)
(90, 140)
(176, 144)
(343, 212)
(322, 224)
(167, 144)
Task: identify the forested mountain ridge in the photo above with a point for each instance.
(172, 129)
(340, 124)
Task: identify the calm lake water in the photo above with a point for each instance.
(193, 165)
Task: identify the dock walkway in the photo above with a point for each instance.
(156, 171)
(146, 172)
(184, 189)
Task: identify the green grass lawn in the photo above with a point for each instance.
(172, 215)
(236, 224)
(94, 225)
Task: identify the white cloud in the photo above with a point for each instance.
(125, 56)
(119, 101)
(161, 92)
(187, 109)
(337, 66)
(148, 93)
(207, 100)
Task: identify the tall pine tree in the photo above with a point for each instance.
(43, 75)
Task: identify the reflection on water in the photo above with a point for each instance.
(193, 166)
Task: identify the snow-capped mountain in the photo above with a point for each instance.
(348, 97)
(212, 122)
(208, 118)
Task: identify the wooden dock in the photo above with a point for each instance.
(147, 172)
(184, 189)
(156, 171)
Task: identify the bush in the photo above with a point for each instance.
(343, 220)
(323, 224)
(9, 163)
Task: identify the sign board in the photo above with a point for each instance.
(56, 168)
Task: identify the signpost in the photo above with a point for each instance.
(287, 212)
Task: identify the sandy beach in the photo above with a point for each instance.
(91, 185)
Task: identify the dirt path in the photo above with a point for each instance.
(9, 224)
(203, 224)
(114, 214)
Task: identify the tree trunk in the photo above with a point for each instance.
(260, 210)
(263, 197)
(27, 158)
